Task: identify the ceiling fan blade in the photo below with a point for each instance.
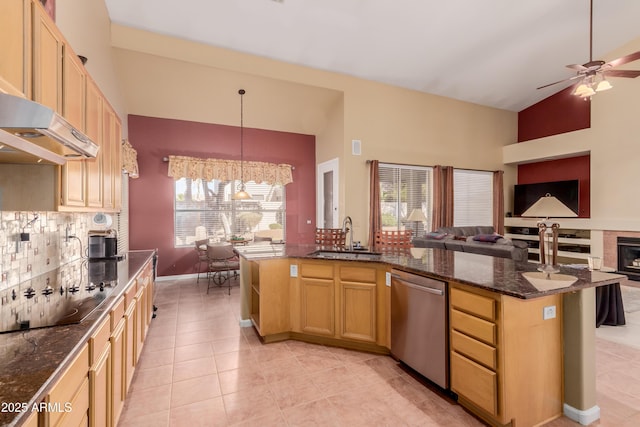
(560, 81)
(577, 67)
(625, 59)
(622, 73)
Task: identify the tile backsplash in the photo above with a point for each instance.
(33, 243)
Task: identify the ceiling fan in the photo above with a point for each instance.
(593, 73)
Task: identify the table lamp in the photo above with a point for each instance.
(546, 207)
(416, 216)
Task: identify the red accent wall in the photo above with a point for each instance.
(151, 195)
(559, 113)
(561, 170)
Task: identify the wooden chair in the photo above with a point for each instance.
(331, 237)
(222, 260)
(201, 250)
(398, 241)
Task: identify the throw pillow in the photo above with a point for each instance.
(435, 235)
(491, 238)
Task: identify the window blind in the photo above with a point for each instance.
(403, 189)
(472, 197)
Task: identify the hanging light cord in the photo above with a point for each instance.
(241, 92)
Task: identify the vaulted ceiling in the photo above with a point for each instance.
(490, 52)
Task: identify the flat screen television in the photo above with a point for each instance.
(525, 195)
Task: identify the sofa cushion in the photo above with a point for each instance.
(435, 235)
(491, 238)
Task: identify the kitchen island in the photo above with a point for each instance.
(541, 330)
(51, 375)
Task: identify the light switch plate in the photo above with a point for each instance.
(549, 312)
(293, 270)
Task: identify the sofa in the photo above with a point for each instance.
(474, 239)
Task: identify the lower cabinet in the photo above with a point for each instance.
(68, 401)
(496, 342)
(317, 298)
(268, 283)
(118, 372)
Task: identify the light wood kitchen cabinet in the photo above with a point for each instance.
(48, 45)
(357, 302)
(118, 372)
(68, 400)
(130, 339)
(111, 135)
(490, 356)
(93, 129)
(269, 284)
(317, 298)
(15, 45)
(100, 375)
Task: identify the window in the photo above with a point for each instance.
(472, 197)
(205, 210)
(402, 189)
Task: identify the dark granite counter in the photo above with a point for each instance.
(500, 275)
(32, 361)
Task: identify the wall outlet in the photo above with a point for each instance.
(387, 279)
(293, 270)
(549, 312)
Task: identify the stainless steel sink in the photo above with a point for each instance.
(347, 255)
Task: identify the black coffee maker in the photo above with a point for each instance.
(103, 244)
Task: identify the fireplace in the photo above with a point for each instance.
(629, 257)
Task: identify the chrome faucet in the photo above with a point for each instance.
(347, 227)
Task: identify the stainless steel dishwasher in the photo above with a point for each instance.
(419, 325)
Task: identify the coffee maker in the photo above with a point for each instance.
(103, 244)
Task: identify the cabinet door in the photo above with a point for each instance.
(14, 45)
(117, 164)
(118, 372)
(93, 129)
(358, 311)
(47, 60)
(100, 390)
(141, 323)
(130, 345)
(73, 88)
(317, 306)
(111, 157)
(72, 391)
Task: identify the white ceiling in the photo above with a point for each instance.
(489, 52)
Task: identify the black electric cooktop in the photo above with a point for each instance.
(62, 296)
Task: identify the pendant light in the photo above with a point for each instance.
(242, 193)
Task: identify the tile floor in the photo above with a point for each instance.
(199, 368)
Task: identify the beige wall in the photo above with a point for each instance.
(614, 143)
(166, 77)
(153, 75)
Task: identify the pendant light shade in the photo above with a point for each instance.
(242, 192)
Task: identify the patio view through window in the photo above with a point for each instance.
(206, 210)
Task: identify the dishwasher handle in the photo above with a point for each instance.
(435, 291)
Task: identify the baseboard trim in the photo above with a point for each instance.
(246, 323)
(582, 416)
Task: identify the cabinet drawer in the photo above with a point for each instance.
(477, 305)
(99, 340)
(358, 274)
(475, 350)
(318, 271)
(117, 313)
(473, 326)
(73, 387)
(474, 382)
(130, 295)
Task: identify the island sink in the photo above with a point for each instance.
(347, 255)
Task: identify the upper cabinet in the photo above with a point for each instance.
(37, 62)
(15, 61)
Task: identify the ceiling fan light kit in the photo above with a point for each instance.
(593, 74)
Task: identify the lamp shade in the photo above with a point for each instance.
(417, 215)
(549, 207)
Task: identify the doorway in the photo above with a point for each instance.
(327, 194)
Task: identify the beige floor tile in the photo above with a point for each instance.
(195, 390)
(198, 367)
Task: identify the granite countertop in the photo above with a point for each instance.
(501, 275)
(31, 361)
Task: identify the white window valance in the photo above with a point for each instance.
(227, 170)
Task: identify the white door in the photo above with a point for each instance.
(327, 194)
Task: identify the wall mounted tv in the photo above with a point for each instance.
(525, 195)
